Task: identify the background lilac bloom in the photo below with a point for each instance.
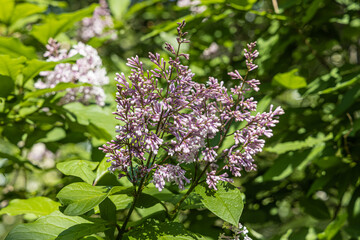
(87, 69)
(99, 25)
(178, 124)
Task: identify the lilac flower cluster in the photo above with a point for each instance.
(163, 130)
(87, 69)
(99, 25)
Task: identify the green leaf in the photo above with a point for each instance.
(80, 198)
(56, 226)
(225, 203)
(39, 206)
(315, 208)
(319, 183)
(35, 66)
(108, 213)
(334, 227)
(243, 5)
(87, 115)
(6, 10)
(290, 80)
(54, 135)
(24, 10)
(146, 201)
(102, 169)
(14, 48)
(281, 148)
(153, 229)
(341, 85)
(119, 8)
(57, 88)
(79, 168)
(285, 165)
(121, 201)
(7, 86)
(167, 26)
(11, 66)
(139, 6)
(311, 10)
(55, 24)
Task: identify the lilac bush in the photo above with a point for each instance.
(87, 69)
(162, 130)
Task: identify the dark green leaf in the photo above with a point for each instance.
(6, 86)
(225, 203)
(146, 201)
(315, 208)
(108, 213)
(80, 198)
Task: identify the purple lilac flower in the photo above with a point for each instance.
(169, 173)
(177, 124)
(99, 25)
(87, 69)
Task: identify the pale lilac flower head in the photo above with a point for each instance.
(87, 69)
(212, 51)
(99, 25)
(169, 173)
(164, 131)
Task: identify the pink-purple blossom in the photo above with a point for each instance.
(99, 25)
(165, 129)
(87, 69)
